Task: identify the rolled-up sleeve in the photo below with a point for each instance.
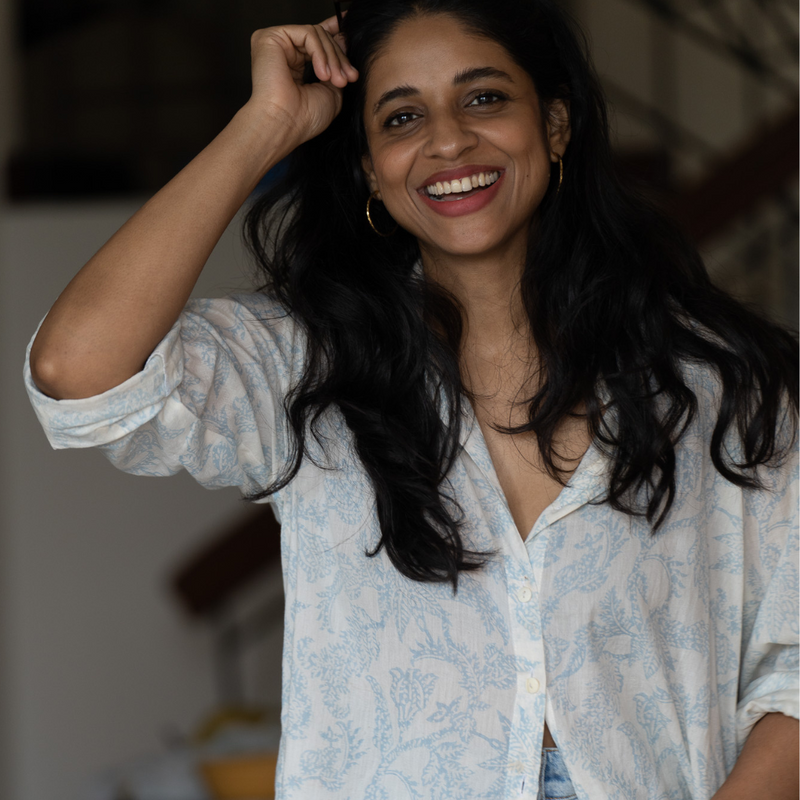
(209, 399)
(769, 674)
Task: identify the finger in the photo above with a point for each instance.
(314, 48)
(331, 25)
(350, 71)
(337, 73)
(303, 43)
(342, 71)
(329, 90)
(289, 38)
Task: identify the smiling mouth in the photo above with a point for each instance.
(460, 189)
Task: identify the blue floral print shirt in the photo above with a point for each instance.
(650, 657)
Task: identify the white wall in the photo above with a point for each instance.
(98, 661)
(8, 136)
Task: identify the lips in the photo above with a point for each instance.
(441, 190)
(458, 173)
(465, 201)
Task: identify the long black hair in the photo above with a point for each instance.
(618, 302)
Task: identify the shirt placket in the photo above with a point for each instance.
(529, 707)
(524, 752)
(524, 566)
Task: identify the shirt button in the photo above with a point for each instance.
(524, 594)
(532, 685)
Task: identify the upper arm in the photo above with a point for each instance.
(209, 399)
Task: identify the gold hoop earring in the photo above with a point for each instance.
(560, 174)
(372, 197)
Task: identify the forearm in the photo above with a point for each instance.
(121, 304)
(768, 763)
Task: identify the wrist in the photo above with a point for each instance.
(767, 763)
(267, 133)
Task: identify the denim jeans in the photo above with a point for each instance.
(554, 782)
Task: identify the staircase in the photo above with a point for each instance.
(704, 100)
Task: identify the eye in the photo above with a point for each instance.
(487, 99)
(399, 119)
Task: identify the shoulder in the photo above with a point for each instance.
(776, 444)
(704, 382)
(249, 307)
(255, 318)
(253, 331)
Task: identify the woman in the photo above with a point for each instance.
(534, 472)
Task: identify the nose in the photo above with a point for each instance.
(448, 137)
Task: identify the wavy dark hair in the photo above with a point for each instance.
(618, 302)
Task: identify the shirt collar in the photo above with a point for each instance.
(587, 483)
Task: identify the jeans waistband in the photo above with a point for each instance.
(555, 783)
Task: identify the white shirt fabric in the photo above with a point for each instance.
(650, 657)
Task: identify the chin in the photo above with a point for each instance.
(472, 246)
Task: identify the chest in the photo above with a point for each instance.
(521, 472)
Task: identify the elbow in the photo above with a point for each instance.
(57, 373)
(70, 373)
(46, 373)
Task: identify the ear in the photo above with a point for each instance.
(558, 128)
(369, 172)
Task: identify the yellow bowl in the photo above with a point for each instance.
(250, 777)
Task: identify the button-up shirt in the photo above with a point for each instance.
(650, 657)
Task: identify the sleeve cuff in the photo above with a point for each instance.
(107, 417)
(776, 692)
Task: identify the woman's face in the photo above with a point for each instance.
(445, 105)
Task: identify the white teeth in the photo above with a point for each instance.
(463, 185)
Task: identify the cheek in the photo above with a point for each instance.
(388, 171)
(534, 165)
(530, 145)
(392, 169)
(391, 161)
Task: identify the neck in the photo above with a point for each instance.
(488, 289)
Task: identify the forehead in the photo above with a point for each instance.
(427, 51)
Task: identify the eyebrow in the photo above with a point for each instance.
(460, 78)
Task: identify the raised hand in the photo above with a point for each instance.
(125, 299)
(279, 56)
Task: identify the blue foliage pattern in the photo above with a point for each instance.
(651, 658)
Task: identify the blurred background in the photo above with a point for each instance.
(139, 616)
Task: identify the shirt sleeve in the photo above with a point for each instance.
(769, 666)
(209, 399)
